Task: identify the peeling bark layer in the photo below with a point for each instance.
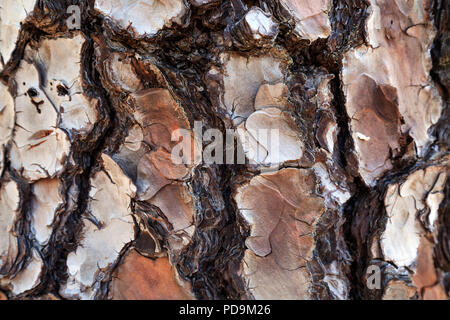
(135, 161)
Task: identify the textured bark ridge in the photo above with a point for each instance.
(97, 96)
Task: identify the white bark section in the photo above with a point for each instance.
(9, 206)
(45, 202)
(46, 111)
(29, 277)
(403, 202)
(270, 137)
(146, 18)
(242, 80)
(39, 149)
(109, 206)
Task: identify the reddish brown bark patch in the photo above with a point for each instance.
(140, 278)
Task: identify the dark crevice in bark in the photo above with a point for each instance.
(363, 213)
(440, 72)
(213, 259)
(348, 31)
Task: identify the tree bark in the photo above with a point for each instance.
(350, 201)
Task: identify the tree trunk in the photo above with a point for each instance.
(207, 149)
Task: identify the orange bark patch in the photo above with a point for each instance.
(140, 278)
(425, 275)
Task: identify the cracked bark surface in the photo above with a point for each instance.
(93, 206)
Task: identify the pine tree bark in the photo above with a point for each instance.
(353, 203)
